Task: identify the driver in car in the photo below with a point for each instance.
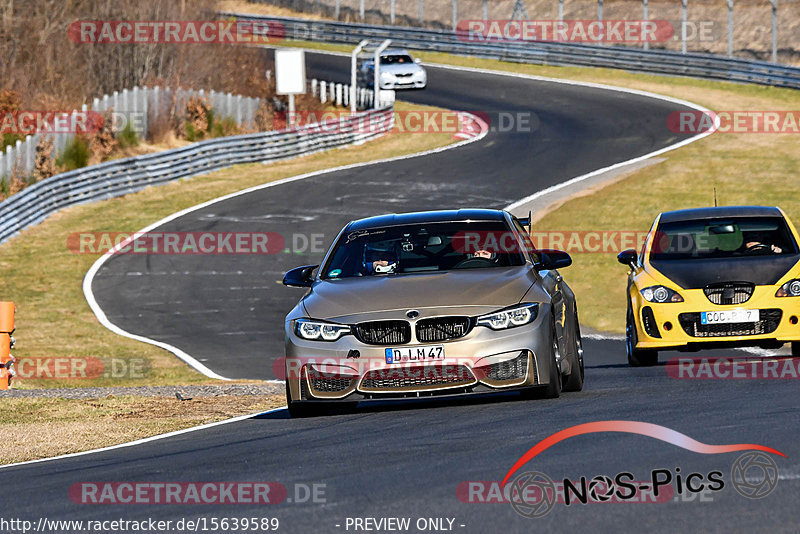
(485, 254)
(379, 261)
(757, 244)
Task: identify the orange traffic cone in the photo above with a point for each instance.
(6, 329)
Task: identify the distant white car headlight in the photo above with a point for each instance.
(320, 331)
(510, 318)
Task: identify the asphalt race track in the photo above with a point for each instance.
(407, 459)
(227, 310)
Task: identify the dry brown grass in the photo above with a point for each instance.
(41, 428)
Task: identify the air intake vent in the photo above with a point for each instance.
(442, 328)
(384, 332)
(729, 292)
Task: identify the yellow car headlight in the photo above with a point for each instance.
(660, 294)
(789, 289)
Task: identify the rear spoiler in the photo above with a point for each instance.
(526, 221)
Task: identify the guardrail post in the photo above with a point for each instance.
(730, 28)
(646, 45)
(560, 10)
(6, 359)
(29, 154)
(323, 93)
(774, 30)
(421, 11)
(485, 9)
(683, 26)
(377, 70)
(354, 73)
(361, 10)
(337, 9)
(391, 11)
(600, 10)
(314, 87)
(455, 14)
(339, 95)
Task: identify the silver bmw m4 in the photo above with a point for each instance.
(430, 304)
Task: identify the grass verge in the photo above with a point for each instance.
(44, 278)
(42, 428)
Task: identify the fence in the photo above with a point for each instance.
(142, 106)
(119, 177)
(544, 53)
(753, 29)
(139, 107)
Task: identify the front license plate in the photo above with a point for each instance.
(729, 316)
(415, 354)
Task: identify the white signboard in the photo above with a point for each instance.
(290, 71)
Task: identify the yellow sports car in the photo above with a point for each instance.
(713, 277)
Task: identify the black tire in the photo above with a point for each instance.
(574, 381)
(637, 357)
(553, 389)
(796, 349)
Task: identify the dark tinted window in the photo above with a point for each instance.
(723, 238)
(417, 248)
(396, 58)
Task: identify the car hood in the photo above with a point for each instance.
(698, 273)
(401, 68)
(493, 288)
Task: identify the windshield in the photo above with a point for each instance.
(722, 238)
(419, 248)
(396, 58)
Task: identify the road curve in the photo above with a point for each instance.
(227, 311)
(408, 459)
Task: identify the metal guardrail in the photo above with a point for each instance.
(119, 177)
(544, 53)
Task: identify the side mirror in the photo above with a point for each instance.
(628, 257)
(300, 276)
(553, 259)
(417, 60)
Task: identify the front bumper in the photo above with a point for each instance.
(482, 361)
(678, 326)
(399, 83)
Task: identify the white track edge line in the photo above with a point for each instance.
(187, 358)
(145, 440)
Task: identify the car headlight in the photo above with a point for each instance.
(386, 75)
(661, 294)
(789, 289)
(320, 331)
(517, 316)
